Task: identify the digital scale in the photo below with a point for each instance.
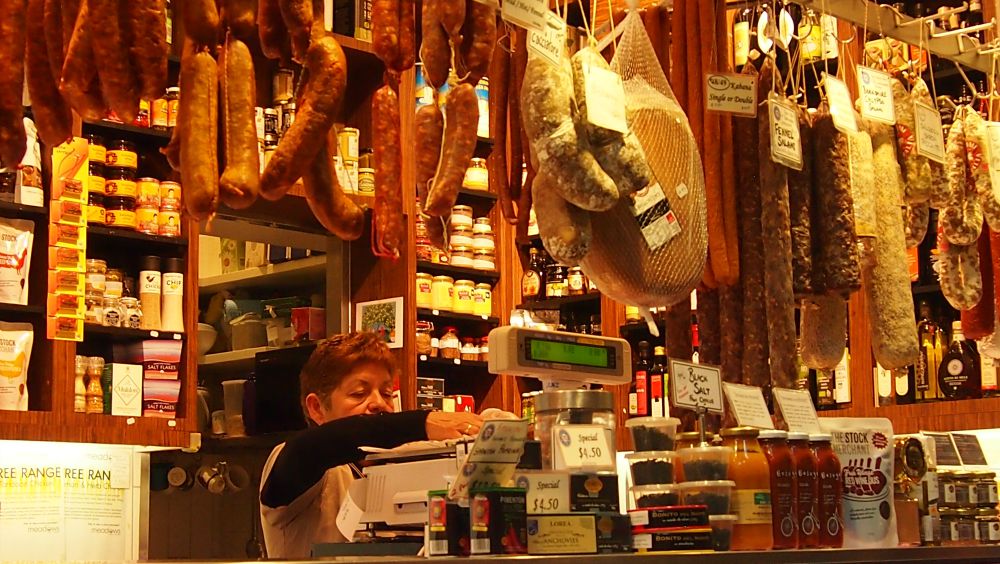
(557, 357)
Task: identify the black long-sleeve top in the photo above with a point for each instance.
(307, 456)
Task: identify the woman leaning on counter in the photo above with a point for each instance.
(346, 393)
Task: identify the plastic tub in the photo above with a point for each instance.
(232, 395)
(704, 463)
(722, 531)
(651, 468)
(713, 494)
(653, 433)
(663, 495)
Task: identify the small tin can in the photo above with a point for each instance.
(120, 182)
(146, 220)
(95, 208)
(169, 223)
(96, 151)
(120, 212)
(348, 139)
(170, 196)
(147, 193)
(159, 114)
(121, 154)
(96, 179)
(366, 181)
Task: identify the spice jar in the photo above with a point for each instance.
(483, 300)
(448, 345)
(97, 270)
(484, 349)
(121, 154)
(96, 179)
(114, 283)
(424, 293)
(470, 350)
(442, 292)
(462, 256)
(573, 407)
(95, 310)
(132, 313)
(806, 489)
(96, 150)
(119, 212)
(751, 501)
(460, 236)
(986, 483)
(477, 176)
(463, 301)
(112, 312)
(423, 338)
(576, 285)
(555, 282)
(484, 242)
(119, 182)
(461, 216)
(95, 208)
(784, 503)
(482, 225)
(988, 524)
(484, 260)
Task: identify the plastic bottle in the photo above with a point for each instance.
(172, 303)
(150, 280)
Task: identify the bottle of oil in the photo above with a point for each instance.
(926, 369)
(959, 375)
(638, 394)
(659, 406)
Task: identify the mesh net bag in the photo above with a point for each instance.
(620, 261)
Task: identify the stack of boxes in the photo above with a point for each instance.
(155, 364)
(430, 396)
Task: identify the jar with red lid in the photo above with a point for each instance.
(807, 489)
(784, 506)
(831, 490)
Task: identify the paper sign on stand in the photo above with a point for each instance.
(493, 458)
(876, 95)
(747, 403)
(731, 93)
(797, 410)
(529, 14)
(582, 447)
(548, 492)
(696, 386)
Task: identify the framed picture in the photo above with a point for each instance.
(383, 317)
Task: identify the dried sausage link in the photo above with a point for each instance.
(327, 200)
(146, 25)
(240, 181)
(198, 121)
(389, 232)
(52, 116)
(461, 117)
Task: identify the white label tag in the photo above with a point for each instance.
(696, 386)
(605, 98)
(731, 93)
(747, 403)
(657, 221)
(549, 43)
(876, 95)
(644, 540)
(841, 106)
(548, 492)
(582, 447)
(930, 135)
(786, 144)
(529, 14)
(351, 512)
(500, 441)
(993, 153)
(797, 409)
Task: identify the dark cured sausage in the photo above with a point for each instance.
(407, 35)
(800, 206)
(12, 41)
(298, 18)
(497, 161)
(274, 42)
(429, 127)
(119, 86)
(53, 30)
(709, 331)
(978, 321)
(78, 83)
(434, 51)
(461, 116)
(385, 31)
(518, 61)
(327, 200)
(389, 232)
(241, 17)
(201, 21)
(145, 23)
(240, 181)
(198, 122)
(452, 15)
(731, 330)
(479, 35)
(69, 10)
(52, 116)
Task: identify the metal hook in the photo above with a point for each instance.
(965, 78)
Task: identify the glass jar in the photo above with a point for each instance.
(483, 300)
(573, 407)
(113, 313)
(470, 350)
(95, 310)
(173, 105)
(987, 488)
(425, 294)
(460, 236)
(95, 208)
(132, 313)
(463, 301)
(482, 225)
(958, 527)
(461, 216)
(435, 347)
(988, 525)
(120, 212)
(423, 338)
(947, 484)
(806, 489)
(831, 491)
(576, 283)
(120, 183)
(448, 345)
(442, 292)
(484, 349)
(121, 154)
(751, 501)
(477, 175)
(96, 150)
(462, 256)
(425, 250)
(114, 283)
(97, 270)
(965, 490)
(784, 503)
(484, 260)
(555, 282)
(484, 242)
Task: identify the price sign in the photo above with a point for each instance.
(841, 107)
(529, 14)
(786, 140)
(582, 447)
(696, 386)
(731, 93)
(549, 43)
(500, 442)
(876, 95)
(747, 403)
(797, 410)
(930, 135)
(548, 492)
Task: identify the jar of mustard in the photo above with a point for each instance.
(463, 301)
(482, 225)
(461, 236)
(477, 175)
(442, 291)
(424, 292)
(483, 300)
(484, 260)
(461, 215)
(462, 256)
(484, 242)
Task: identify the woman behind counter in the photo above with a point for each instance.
(346, 393)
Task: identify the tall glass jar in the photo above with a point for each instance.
(784, 503)
(831, 491)
(806, 489)
(751, 500)
(573, 407)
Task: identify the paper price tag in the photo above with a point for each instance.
(786, 143)
(747, 403)
(731, 93)
(876, 95)
(529, 14)
(548, 492)
(696, 386)
(550, 42)
(797, 409)
(841, 106)
(930, 135)
(657, 221)
(349, 517)
(500, 442)
(582, 447)
(605, 98)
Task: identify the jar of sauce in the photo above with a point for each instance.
(120, 212)
(831, 492)
(461, 215)
(806, 488)
(173, 104)
(988, 524)
(120, 183)
(442, 291)
(169, 222)
(576, 282)
(147, 193)
(158, 114)
(424, 293)
(463, 301)
(751, 501)
(96, 151)
(147, 220)
(97, 178)
(423, 337)
(784, 503)
(483, 300)
(425, 251)
(448, 345)
(555, 282)
(121, 154)
(95, 208)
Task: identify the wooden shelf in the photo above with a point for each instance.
(21, 211)
(18, 309)
(292, 273)
(267, 441)
(351, 44)
(230, 360)
(955, 415)
(592, 299)
(91, 428)
(157, 135)
(433, 314)
(113, 233)
(127, 334)
(458, 272)
(449, 363)
(475, 195)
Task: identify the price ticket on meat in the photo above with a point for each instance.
(841, 106)
(930, 136)
(876, 95)
(529, 14)
(548, 492)
(582, 447)
(549, 42)
(696, 386)
(786, 142)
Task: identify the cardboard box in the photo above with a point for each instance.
(363, 20)
(579, 533)
(593, 492)
(209, 256)
(465, 403)
(430, 386)
(233, 254)
(663, 540)
(160, 397)
(309, 324)
(255, 254)
(432, 403)
(669, 517)
(160, 358)
(498, 521)
(126, 388)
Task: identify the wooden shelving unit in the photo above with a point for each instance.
(21, 211)
(310, 270)
(112, 233)
(449, 316)
(458, 272)
(592, 298)
(452, 363)
(160, 136)
(127, 334)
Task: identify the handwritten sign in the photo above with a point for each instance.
(876, 95)
(696, 386)
(930, 136)
(578, 447)
(548, 492)
(747, 403)
(841, 107)
(786, 143)
(500, 442)
(797, 410)
(550, 42)
(731, 93)
(605, 98)
(529, 14)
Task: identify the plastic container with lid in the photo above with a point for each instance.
(462, 256)
(988, 525)
(651, 468)
(461, 215)
(573, 407)
(484, 260)
(653, 433)
(748, 468)
(705, 462)
(784, 503)
(442, 292)
(448, 345)
(460, 236)
(483, 300)
(722, 531)
(716, 495)
(477, 175)
(424, 293)
(831, 491)
(463, 300)
(806, 489)
(482, 225)
(663, 495)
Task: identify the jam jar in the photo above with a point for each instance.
(121, 154)
(96, 150)
(448, 345)
(461, 215)
(97, 178)
(95, 208)
(425, 295)
(477, 175)
(424, 337)
(120, 183)
(120, 212)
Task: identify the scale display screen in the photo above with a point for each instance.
(542, 350)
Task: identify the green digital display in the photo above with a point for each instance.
(541, 350)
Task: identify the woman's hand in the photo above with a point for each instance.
(441, 426)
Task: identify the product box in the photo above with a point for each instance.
(233, 255)
(363, 20)
(465, 403)
(64, 328)
(579, 533)
(498, 521)
(160, 397)
(683, 538)
(255, 255)
(67, 282)
(669, 517)
(160, 358)
(66, 305)
(126, 388)
(593, 492)
(209, 256)
(447, 526)
(430, 386)
(309, 323)
(432, 403)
